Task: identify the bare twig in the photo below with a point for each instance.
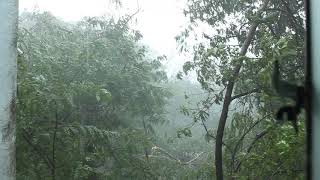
(198, 155)
(172, 157)
(132, 15)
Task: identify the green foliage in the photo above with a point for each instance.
(216, 56)
(93, 104)
(82, 92)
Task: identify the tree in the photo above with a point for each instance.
(84, 93)
(246, 37)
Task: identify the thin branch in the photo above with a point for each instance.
(276, 171)
(249, 129)
(242, 137)
(245, 94)
(132, 15)
(276, 9)
(258, 137)
(195, 94)
(166, 153)
(142, 157)
(207, 37)
(39, 151)
(171, 157)
(289, 11)
(212, 136)
(189, 162)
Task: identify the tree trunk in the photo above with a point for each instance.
(8, 73)
(228, 97)
(146, 134)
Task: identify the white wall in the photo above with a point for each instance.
(8, 27)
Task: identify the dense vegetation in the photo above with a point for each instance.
(93, 103)
(246, 38)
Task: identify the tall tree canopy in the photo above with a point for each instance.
(84, 92)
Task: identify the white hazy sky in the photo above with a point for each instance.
(158, 20)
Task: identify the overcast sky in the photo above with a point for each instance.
(158, 20)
